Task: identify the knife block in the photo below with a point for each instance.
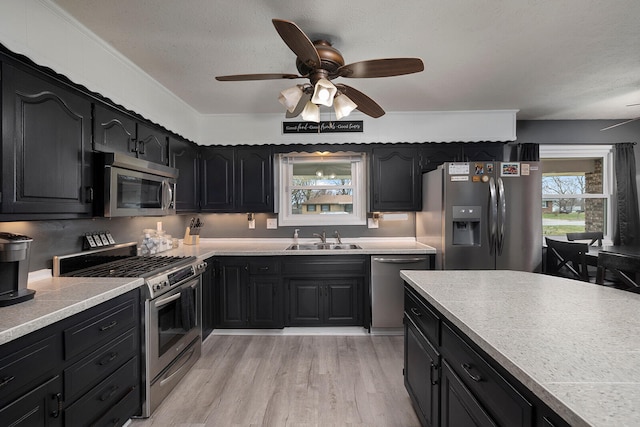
(190, 239)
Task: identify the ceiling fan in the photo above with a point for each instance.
(622, 123)
(320, 62)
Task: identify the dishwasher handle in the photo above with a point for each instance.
(398, 260)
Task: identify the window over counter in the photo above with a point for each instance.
(577, 186)
(322, 188)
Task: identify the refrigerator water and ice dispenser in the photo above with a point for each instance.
(466, 225)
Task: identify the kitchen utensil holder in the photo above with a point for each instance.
(190, 239)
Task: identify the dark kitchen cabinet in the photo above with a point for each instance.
(184, 156)
(421, 379)
(249, 293)
(41, 407)
(208, 299)
(325, 290)
(396, 180)
(78, 371)
(452, 383)
(324, 302)
(46, 146)
(254, 179)
(117, 131)
(216, 179)
(237, 179)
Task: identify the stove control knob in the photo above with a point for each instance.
(165, 283)
(156, 287)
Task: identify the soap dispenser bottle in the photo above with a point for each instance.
(295, 236)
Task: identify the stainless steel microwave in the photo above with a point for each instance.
(135, 187)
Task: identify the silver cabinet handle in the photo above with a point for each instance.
(398, 260)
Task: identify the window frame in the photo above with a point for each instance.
(586, 151)
(358, 214)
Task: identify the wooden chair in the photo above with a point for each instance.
(591, 236)
(567, 259)
(625, 268)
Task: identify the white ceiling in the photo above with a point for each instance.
(567, 59)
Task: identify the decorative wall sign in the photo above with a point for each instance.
(323, 127)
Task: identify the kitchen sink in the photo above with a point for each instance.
(322, 246)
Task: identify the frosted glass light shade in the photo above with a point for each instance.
(311, 112)
(290, 97)
(324, 92)
(343, 106)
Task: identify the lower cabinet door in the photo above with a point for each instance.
(265, 302)
(458, 406)
(41, 406)
(421, 375)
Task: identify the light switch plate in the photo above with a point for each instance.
(272, 223)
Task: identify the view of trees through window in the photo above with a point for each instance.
(572, 196)
(323, 187)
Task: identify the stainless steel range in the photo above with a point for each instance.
(172, 309)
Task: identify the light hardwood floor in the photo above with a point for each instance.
(297, 381)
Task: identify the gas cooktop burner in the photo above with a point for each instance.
(135, 266)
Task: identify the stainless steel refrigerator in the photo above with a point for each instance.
(483, 215)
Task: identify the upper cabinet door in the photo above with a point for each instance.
(46, 146)
(395, 179)
(254, 179)
(217, 179)
(113, 131)
(183, 155)
(152, 145)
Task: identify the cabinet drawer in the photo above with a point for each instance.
(20, 367)
(505, 404)
(422, 316)
(326, 265)
(83, 374)
(104, 326)
(264, 266)
(121, 412)
(104, 396)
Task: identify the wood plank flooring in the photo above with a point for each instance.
(265, 380)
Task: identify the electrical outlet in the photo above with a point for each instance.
(272, 223)
(372, 223)
(252, 224)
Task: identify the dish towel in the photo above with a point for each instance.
(187, 305)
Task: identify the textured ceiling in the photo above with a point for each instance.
(569, 59)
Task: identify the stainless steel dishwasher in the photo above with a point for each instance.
(387, 290)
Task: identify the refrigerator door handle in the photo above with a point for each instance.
(493, 215)
(502, 202)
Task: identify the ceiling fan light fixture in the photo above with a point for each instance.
(311, 112)
(324, 92)
(290, 97)
(343, 106)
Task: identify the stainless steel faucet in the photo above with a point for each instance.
(323, 236)
(337, 236)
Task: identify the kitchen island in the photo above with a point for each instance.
(573, 345)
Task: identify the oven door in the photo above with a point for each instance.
(173, 321)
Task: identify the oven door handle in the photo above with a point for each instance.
(166, 301)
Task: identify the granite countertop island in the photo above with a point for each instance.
(575, 345)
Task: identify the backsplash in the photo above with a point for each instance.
(63, 237)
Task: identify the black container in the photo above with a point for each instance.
(14, 268)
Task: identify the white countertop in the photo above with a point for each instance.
(58, 298)
(575, 345)
(273, 247)
(61, 297)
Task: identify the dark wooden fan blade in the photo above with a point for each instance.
(298, 42)
(244, 77)
(620, 124)
(301, 104)
(365, 104)
(382, 68)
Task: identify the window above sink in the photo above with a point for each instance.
(322, 188)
